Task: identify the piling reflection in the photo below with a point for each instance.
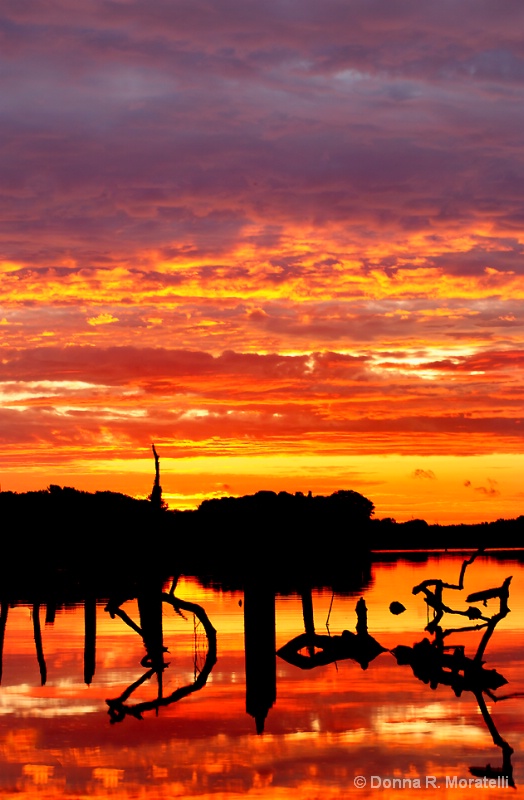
(89, 637)
(260, 656)
(4, 610)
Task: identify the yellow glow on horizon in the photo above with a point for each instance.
(463, 488)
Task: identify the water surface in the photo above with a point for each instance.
(327, 725)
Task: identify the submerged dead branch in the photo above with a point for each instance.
(119, 708)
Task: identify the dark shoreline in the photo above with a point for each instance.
(66, 536)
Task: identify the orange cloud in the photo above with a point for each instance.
(224, 255)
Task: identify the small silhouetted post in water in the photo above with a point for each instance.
(260, 647)
(89, 637)
(149, 598)
(306, 596)
(3, 621)
(38, 643)
(50, 611)
(362, 617)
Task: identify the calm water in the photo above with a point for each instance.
(328, 725)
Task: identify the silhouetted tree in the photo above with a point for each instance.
(156, 493)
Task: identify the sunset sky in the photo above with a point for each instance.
(282, 240)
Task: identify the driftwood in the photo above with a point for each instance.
(323, 649)
(435, 663)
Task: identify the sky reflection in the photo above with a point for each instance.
(327, 725)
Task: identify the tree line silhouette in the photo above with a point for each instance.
(269, 533)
